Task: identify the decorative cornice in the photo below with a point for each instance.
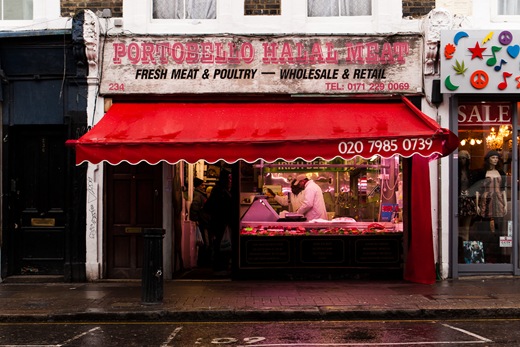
(437, 20)
(91, 37)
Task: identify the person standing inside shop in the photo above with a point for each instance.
(313, 204)
(491, 201)
(219, 208)
(201, 218)
(293, 200)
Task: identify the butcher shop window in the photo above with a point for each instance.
(337, 8)
(16, 9)
(184, 9)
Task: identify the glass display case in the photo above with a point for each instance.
(363, 230)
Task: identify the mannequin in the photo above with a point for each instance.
(491, 200)
(491, 197)
(467, 203)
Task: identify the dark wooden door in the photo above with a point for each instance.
(36, 194)
(133, 203)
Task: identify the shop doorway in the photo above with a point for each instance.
(36, 199)
(134, 202)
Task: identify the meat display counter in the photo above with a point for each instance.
(272, 243)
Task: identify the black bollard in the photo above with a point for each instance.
(152, 275)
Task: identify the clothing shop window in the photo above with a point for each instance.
(484, 181)
(16, 9)
(336, 8)
(184, 9)
(517, 241)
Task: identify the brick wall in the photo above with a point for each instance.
(262, 7)
(417, 8)
(71, 7)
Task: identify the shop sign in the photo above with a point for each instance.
(480, 61)
(245, 64)
(484, 114)
(300, 165)
(506, 241)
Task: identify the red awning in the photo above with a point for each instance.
(171, 132)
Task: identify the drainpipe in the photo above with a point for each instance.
(439, 209)
(439, 219)
(436, 101)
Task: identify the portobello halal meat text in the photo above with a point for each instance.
(289, 52)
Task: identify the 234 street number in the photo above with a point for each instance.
(116, 86)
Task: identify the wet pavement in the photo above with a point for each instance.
(234, 300)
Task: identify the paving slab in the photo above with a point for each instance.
(231, 300)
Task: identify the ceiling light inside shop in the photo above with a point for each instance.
(495, 140)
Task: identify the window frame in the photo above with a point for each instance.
(2, 11)
(184, 20)
(339, 16)
(46, 15)
(495, 17)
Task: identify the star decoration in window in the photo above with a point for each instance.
(477, 51)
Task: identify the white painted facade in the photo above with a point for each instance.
(386, 19)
